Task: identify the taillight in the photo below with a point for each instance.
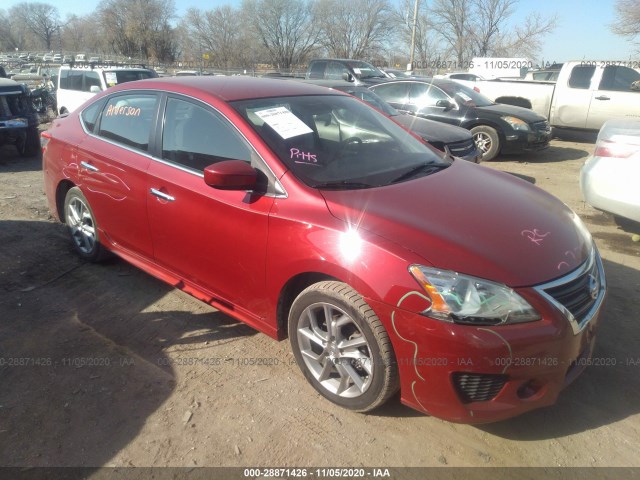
(607, 148)
(44, 140)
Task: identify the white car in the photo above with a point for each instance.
(464, 78)
(78, 83)
(609, 178)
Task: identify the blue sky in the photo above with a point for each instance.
(583, 31)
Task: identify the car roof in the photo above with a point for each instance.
(332, 83)
(228, 88)
(427, 80)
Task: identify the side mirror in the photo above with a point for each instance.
(347, 77)
(231, 175)
(95, 89)
(446, 104)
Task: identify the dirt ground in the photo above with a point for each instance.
(103, 365)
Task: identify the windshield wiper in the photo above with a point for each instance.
(427, 168)
(343, 185)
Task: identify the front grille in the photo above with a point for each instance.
(478, 387)
(541, 126)
(461, 149)
(578, 294)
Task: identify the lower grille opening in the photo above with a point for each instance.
(478, 387)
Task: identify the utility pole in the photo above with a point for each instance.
(413, 36)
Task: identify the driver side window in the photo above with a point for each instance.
(196, 137)
(423, 95)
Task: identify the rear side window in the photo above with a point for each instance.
(127, 119)
(196, 137)
(79, 80)
(581, 76)
(90, 114)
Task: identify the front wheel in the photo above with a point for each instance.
(342, 347)
(82, 226)
(29, 145)
(487, 141)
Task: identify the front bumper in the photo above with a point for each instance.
(481, 374)
(537, 138)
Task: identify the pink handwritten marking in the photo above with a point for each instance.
(562, 263)
(534, 235)
(570, 253)
(305, 156)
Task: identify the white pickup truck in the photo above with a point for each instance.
(586, 94)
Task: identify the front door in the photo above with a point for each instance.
(214, 238)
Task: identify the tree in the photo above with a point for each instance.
(42, 19)
(451, 19)
(218, 33)
(286, 28)
(628, 22)
(354, 29)
(139, 28)
(428, 45)
(480, 28)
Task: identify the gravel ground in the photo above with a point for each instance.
(123, 370)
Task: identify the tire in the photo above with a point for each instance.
(82, 226)
(30, 145)
(349, 361)
(487, 141)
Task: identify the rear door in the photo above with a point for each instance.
(112, 163)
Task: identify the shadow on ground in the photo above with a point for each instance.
(83, 360)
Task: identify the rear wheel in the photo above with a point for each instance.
(82, 226)
(487, 141)
(342, 347)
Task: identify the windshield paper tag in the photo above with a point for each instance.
(111, 78)
(285, 123)
(464, 96)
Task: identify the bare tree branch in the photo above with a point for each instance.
(627, 23)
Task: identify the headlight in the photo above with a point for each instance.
(516, 123)
(472, 301)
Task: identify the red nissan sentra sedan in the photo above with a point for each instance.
(304, 212)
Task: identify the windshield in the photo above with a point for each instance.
(465, 95)
(365, 70)
(338, 142)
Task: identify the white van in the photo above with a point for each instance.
(78, 83)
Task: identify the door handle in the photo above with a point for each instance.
(603, 97)
(88, 166)
(162, 195)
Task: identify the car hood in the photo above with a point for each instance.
(431, 130)
(474, 220)
(500, 109)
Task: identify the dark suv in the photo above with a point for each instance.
(18, 119)
(355, 71)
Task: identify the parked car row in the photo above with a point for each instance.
(306, 213)
(496, 128)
